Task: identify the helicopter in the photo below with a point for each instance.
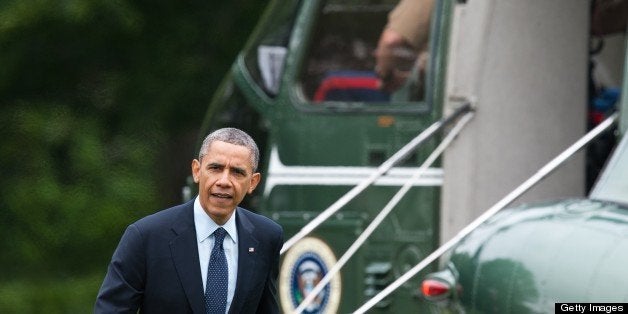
(368, 184)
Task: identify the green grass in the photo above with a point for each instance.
(65, 295)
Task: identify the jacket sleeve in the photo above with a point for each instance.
(123, 287)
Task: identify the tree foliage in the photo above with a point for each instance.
(100, 102)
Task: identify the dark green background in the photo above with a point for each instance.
(100, 105)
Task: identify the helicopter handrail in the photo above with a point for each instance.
(385, 211)
(381, 170)
(509, 198)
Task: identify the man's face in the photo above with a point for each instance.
(224, 176)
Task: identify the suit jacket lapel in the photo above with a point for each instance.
(246, 260)
(185, 257)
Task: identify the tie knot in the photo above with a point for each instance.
(219, 236)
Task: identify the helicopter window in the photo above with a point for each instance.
(340, 62)
(271, 60)
(264, 59)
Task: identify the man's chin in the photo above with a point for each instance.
(220, 215)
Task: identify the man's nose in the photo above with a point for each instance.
(223, 179)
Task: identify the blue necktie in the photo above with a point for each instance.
(217, 277)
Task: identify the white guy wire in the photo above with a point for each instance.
(540, 174)
(385, 211)
(382, 169)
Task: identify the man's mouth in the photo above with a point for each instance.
(222, 195)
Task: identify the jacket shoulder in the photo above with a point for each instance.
(165, 217)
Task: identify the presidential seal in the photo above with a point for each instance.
(304, 266)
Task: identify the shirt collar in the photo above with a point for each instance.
(205, 226)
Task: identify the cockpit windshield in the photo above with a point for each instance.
(265, 57)
(341, 62)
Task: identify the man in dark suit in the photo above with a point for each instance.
(205, 256)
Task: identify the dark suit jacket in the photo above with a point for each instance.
(156, 269)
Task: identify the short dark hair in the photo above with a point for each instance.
(232, 136)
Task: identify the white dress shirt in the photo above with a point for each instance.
(205, 228)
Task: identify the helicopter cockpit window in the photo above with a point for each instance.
(265, 58)
(340, 62)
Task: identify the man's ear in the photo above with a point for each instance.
(196, 170)
(254, 181)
